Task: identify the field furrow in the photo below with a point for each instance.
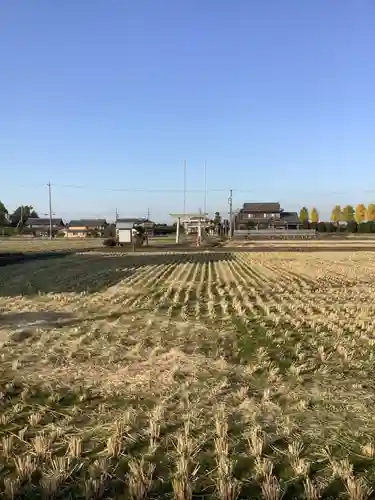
(218, 375)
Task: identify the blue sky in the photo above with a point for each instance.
(277, 96)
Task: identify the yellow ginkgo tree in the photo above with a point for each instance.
(314, 216)
(336, 215)
(370, 213)
(360, 213)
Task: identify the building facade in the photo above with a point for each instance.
(84, 228)
(265, 216)
(37, 226)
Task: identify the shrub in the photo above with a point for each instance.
(109, 242)
(352, 227)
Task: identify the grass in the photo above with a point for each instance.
(325, 242)
(188, 376)
(45, 245)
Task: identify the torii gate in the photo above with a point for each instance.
(178, 217)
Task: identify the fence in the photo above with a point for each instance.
(280, 234)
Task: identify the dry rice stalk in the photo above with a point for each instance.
(312, 489)
(21, 434)
(114, 446)
(115, 442)
(100, 468)
(342, 468)
(140, 478)
(368, 449)
(154, 433)
(256, 441)
(25, 466)
(4, 419)
(50, 483)
(35, 418)
(295, 449)
(227, 486)
(185, 474)
(300, 466)
(262, 467)
(357, 488)
(270, 488)
(42, 444)
(11, 487)
(94, 488)
(75, 446)
(7, 445)
(60, 466)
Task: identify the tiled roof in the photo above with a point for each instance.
(262, 207)
(290, 217)
(87, 223)
(134, 220)
(37, 221)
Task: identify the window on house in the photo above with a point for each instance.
(250, 216)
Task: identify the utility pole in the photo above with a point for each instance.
(50, 209)
(230, 201)
(184, 189)
(116, 216)
(205, 189)
(148, 214)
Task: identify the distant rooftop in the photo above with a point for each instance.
(262, 207)
(87, 223)
(134, 220)
(40, 221)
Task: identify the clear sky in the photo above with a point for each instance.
(277, 95)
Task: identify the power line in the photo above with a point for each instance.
(193, 190)
(208, 190)
(139, 190)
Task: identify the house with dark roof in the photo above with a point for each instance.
(131, 222)
(83, 228)
(267, 215)
(39, 226)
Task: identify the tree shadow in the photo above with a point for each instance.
(19, 326)
(87, 273)
(7, 258)
(31, 318)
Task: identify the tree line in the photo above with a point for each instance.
(18, 217)
(347, 218)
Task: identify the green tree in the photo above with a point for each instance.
(336, 214)
(3, 214)
(217, 219)
(304, 215)
(314, 216)
(110, 231)
(348, 213)
(370, 213)
(352, 226)
(21, 214)
(330, 227)
(217, 222)
(360, 213)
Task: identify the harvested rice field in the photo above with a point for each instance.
(25, 245)
(211, 375)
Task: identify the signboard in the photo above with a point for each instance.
(125, 235)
